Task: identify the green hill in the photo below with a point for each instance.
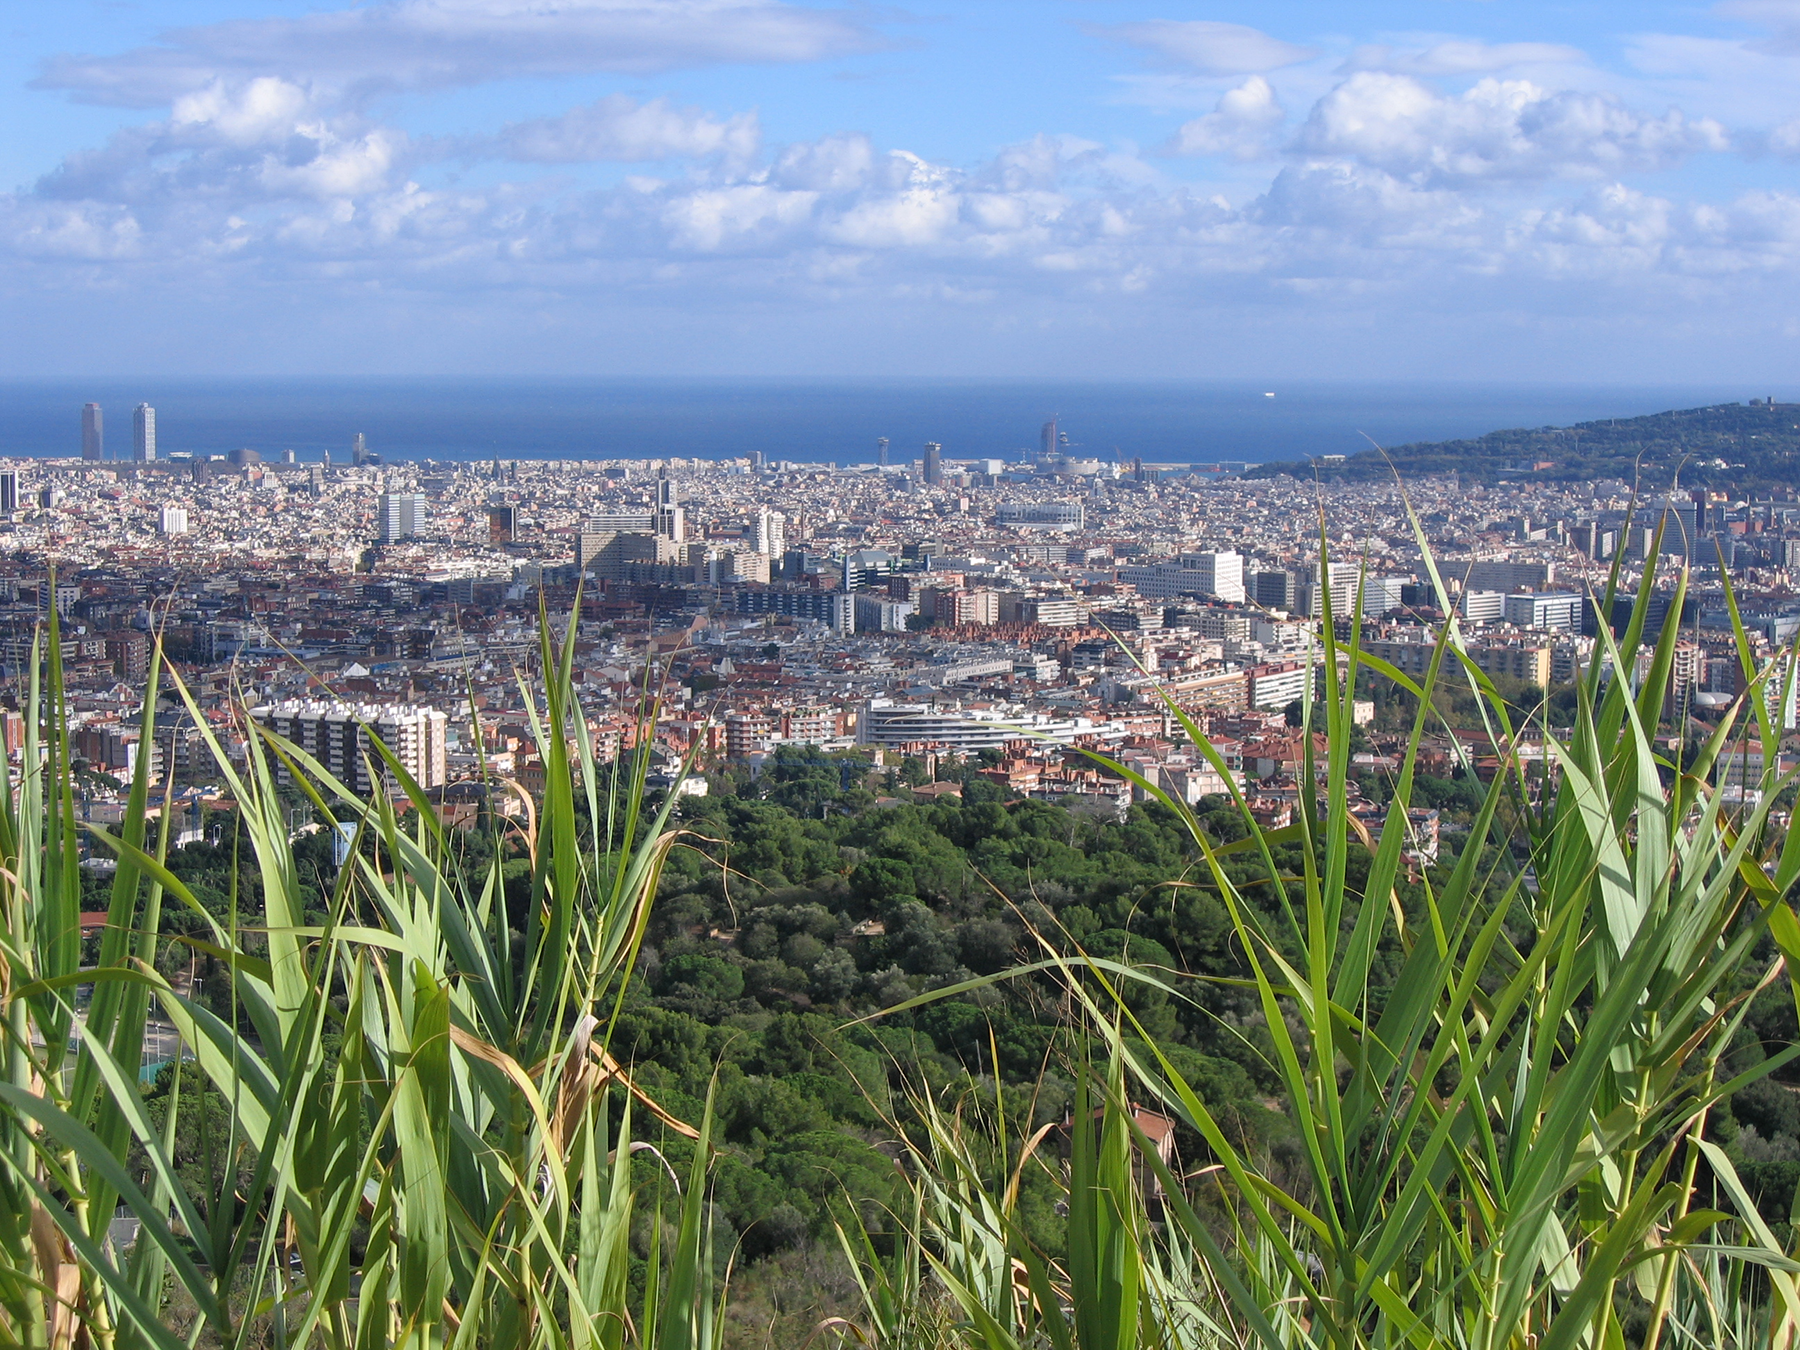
(1747, 445)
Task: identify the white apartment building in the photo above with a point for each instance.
(768, 533)
(1219, 575)
(174, 520)
(338, 734)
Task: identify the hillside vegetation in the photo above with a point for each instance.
(1750, 445)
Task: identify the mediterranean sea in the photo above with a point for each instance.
(473, 419)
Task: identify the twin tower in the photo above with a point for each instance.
(143, 433)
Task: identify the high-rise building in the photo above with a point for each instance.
(143, 433)
(338, 736)
(399, 515)
(934, 464)
(1049, 442)
(93, 432)
(881, 448)
(174, 520)
(503, 524)
(768, 533)
(671, 521)
(360, 452)
(9, 491)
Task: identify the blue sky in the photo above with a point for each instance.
(1441, 189)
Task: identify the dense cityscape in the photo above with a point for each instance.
(920, 606)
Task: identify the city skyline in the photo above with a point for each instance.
(1242, 191)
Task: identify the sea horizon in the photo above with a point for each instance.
(822, 420)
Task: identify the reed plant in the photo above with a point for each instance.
(1507, 1145)
(424, 1138)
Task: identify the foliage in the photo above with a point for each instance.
(1750, 445)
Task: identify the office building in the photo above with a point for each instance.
(503, 524)
(1483, 606)
(338, 735)
(934, 464)
(1557, 611)
(1274, 590)
(143, 433)
(399, 515)
(9, 491)
(93, 432)
(881, 451)
(1220, 574)
(868, 567)
(174, 520)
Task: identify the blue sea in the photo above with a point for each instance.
(462, 419)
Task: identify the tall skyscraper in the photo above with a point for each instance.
(359, 450)
(934, 463)
(399, 515)
(671, 521)
(93, 432)
(1049, 442)
(881, 446)
(143, 433)
(9, 491)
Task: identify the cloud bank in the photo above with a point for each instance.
(1414, 178)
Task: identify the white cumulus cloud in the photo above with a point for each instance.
(1499, 129)
(1240, 126)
